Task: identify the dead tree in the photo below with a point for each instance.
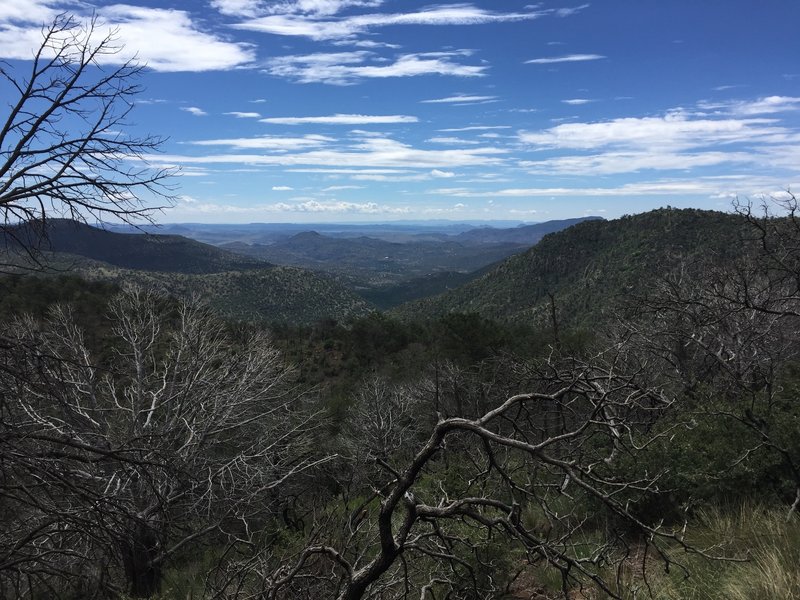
(110, 466)
(65, 145)
(728, 334)
(539, 474)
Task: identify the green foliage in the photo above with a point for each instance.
(590, 268)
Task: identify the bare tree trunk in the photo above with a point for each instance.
(139, 555)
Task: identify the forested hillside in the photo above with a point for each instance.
(164, 253)
(592, 268)
(497, 453)
(237, 287)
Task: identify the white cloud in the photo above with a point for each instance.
(568, 12)
(282, 188)
(577, 101)
(450, 140)
(368, 153)
(760, 106)
(461, 99)
(307, 206)
(336, 206)
(266, 142)
(673, 131)
(707, 186)
(568, 58)
(475, 128)
(346, 68)
(340, 119)
(179, 44)
(677, 140)
(332, 29)
(445, 209)
(238, 8)
(253, 8)
(244, 115)
(338, 188)
(405, 177)
(338, 172)
(365, 44)
(631, 162)
(28, 11)
(197, 112)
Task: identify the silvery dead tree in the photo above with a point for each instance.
(112, 464)
(546, 478)
(728, 333)
(65, 145)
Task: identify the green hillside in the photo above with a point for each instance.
(236, 286)
(590, 267)
(273, 294)
(163, 253)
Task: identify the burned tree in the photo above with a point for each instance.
(65, 149)
(529, 481)
(113, 464)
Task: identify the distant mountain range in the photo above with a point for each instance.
(374, 261)
(237, 286)
(389, 272)
(589, 266)
(162, 253)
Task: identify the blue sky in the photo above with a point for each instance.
(376, 110)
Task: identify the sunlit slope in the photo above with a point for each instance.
(591, 267)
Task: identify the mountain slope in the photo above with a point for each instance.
(275, 295)
(374, 260)
(527, 235)
(164, 253)
(236, 286)
(590, 268)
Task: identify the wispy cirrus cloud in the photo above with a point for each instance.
(577, 101)
(316, 27)
(340, 119)
(193, 205)
(252, 8)
(340, 188)
(674, 130)
(339, 206)
(609, 163)
(266, 142)
(474, 128)
(708, 186)
(405, 177)
(244, 115)
(676, 141)
(567, 58)
(760, 106)
(362, 153)
(347, 68)
(454, 141)
(461, 99)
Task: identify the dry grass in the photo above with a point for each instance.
(768, 543)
